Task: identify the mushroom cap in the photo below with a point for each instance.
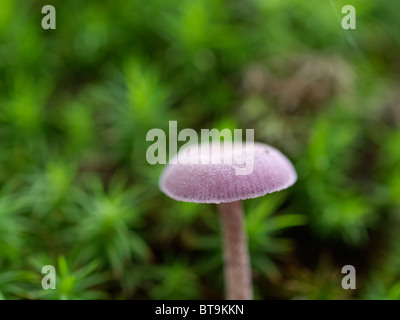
(184, 179)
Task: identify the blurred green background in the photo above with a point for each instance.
(76, 103)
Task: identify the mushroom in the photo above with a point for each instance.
(193, 175)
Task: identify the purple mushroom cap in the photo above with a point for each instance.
(187, 178)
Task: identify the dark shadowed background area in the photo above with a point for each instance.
(76, 191)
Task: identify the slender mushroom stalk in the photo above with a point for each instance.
(191, 180)
(237, 262)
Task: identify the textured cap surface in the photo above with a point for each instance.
(190, 178)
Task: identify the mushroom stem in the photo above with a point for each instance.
(237, 263)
